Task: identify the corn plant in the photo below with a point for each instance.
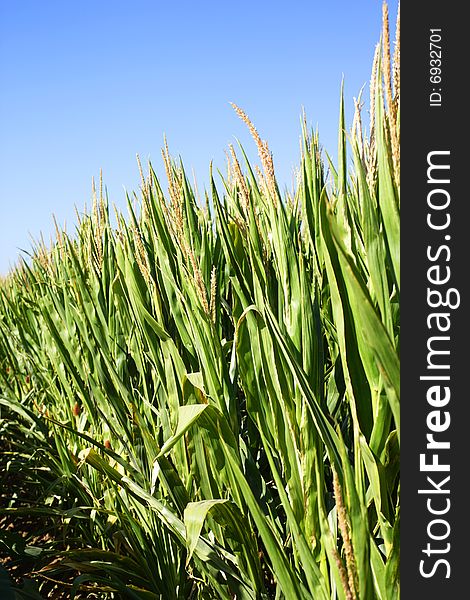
(208, 396)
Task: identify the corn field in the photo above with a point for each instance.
(200, 400)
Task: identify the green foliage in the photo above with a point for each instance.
(214, 392)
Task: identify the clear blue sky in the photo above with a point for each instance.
(88, 84)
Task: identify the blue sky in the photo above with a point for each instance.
(89, 84)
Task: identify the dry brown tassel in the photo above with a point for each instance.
(344, 529)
